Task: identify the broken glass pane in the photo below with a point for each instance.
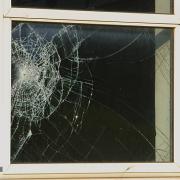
(90, 93)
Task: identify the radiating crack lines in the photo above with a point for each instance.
(40, 85)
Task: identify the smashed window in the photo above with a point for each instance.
(90, 93)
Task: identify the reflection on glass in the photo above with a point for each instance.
(90, 93)
(150, 6)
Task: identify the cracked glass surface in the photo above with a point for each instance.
(90, 93)
(142, 6)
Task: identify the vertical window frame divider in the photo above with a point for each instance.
(1, 80)
(176, 95)
(176, 8)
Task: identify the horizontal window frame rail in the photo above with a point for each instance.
(115, 23)
(90, 176)
(93, 176)
(139, 19)
(92, 168)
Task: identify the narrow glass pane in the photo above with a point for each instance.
(90, 93)
(150, 6)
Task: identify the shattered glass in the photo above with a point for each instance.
(87, 93)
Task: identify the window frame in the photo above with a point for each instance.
(8, 14)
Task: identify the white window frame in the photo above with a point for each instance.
(8, 14)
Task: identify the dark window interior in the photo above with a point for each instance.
(96, 5)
